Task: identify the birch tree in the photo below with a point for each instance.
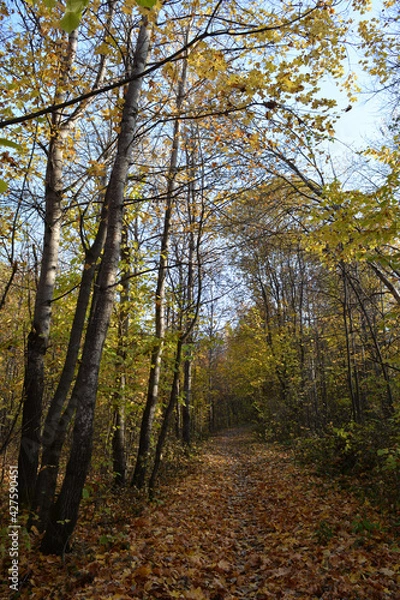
(64, 514)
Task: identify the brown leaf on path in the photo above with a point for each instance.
(223, 566)
(195, 594)
(142, 572)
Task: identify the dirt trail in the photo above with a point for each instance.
(248, 524)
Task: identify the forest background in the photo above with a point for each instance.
(183, 246)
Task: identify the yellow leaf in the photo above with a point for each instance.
(223, 565)
(195, 594)
(103, 48)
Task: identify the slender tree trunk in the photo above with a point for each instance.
(14, 269)
(385, 280)
(356, 377)
(320, 390)
(64, 513)
(187, 392)
(167, 415)
(56, 426)
(118, 441)
(310, 400)
(348, 348)
(187, 381)
(39, 336)
(178, 422)
(142, 460)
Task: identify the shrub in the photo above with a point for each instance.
(369, 454)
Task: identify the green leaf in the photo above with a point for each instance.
(70, 21)
(73, 14)
(3, 186)
(146, 3)
(383, 452)
(76, 6)
(50, 3)
(10, 144)
(104, 540)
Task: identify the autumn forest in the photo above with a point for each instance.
(200, 299)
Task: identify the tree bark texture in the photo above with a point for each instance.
(56, 425)
(64, 513)
(39, 336)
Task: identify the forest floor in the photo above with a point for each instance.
(245, 523)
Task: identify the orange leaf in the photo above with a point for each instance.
(142, 572)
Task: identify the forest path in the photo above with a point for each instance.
(246, 524)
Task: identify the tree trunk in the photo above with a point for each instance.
(347, 309)
(385, 280)
(118, 445)
(118, 441)
(167, 415)
(64, 513)
(39, 336)
(142, 460)
(56, 426)
(187, 392)
(187, 381)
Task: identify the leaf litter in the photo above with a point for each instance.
(247, 523)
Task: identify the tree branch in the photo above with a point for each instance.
(132, 77)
